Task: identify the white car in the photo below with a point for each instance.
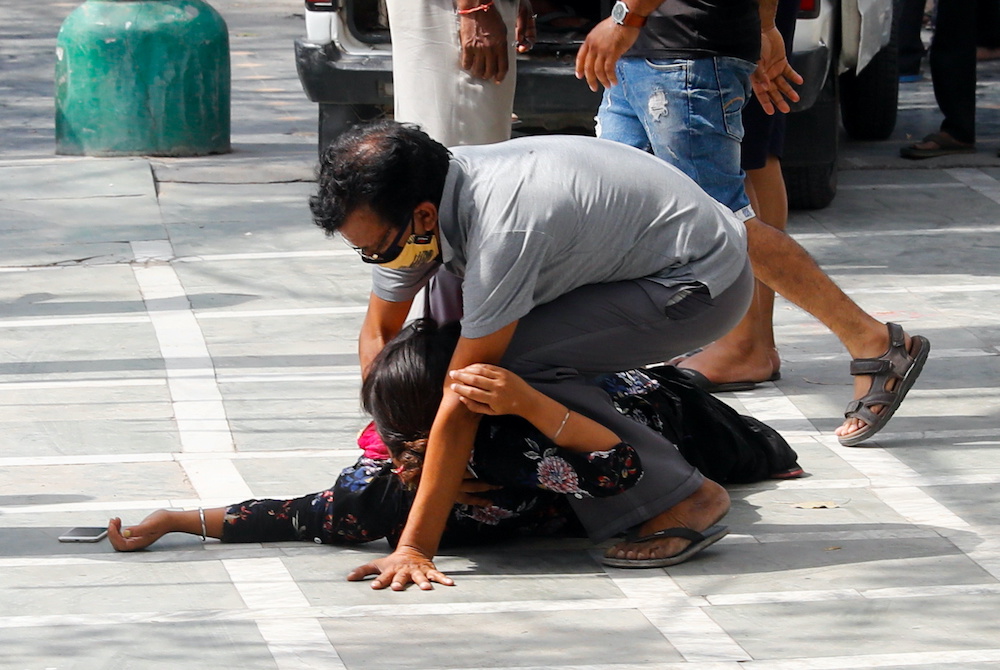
(843, 48)
(854, 81)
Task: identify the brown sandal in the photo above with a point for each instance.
(895, 364)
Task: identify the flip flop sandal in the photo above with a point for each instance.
(699, 541)
(944, 145)
(706, 384)
(895, 364)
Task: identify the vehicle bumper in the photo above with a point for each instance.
(329, 76)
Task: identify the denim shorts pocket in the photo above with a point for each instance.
(667, 64)
(734, 91)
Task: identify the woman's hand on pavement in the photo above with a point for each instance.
(404, 566)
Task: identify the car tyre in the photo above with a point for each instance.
(812, 145)
(811, 186)
(869, 99)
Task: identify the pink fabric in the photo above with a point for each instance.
(372, 444)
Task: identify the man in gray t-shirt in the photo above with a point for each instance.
(527, 221)
(579, 256)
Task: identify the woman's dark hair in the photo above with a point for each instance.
(405, 383)
(391, 167)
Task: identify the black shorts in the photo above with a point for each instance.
(764, 135)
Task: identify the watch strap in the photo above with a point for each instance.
(633, 20)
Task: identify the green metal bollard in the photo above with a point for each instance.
(142, 77)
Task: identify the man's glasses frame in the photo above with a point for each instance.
(391, 252)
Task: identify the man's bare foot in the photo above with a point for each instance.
(133, 538)
(915, 350)
(723, 364)
(699, 511)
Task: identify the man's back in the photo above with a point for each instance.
(529, 220)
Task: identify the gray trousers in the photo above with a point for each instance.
(604, 328)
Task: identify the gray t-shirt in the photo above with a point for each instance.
(529, 220)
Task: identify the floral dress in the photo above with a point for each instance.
(369, 501)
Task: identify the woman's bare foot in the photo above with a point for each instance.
(699, 511)
(133, 538)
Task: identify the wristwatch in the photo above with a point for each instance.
(623, 16)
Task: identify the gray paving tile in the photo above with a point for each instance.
(517, 639)
(883, 626)
(273, 283)
(111, 587)
(164, 645)
(110, 289)
(76, 178)
(268, 479)
(974, 503)
(522, 571)
(832, 564)
(39, 484)
(257, 206)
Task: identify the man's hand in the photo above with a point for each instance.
(404, 566)
(524, 30)
(489, 389)
(470, 487)
(483, 35)
(604, 45)
(772, 80)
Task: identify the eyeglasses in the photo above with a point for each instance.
(391, 252)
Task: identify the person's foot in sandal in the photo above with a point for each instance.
(937, 144)
(881, 383)
(698, 512)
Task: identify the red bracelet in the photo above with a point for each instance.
(478, 8)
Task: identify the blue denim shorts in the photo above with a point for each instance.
(687, 112)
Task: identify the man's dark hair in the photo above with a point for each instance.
(391, 167)
(405, 382)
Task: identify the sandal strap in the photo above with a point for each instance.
(870, 400)
(870, 366)
(857, 410)
(633, 537)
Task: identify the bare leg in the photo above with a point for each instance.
(781, 263)
(748, 352)
(699, 511)
(161, 522)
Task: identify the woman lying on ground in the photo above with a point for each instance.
(531, 455)
(535, 449)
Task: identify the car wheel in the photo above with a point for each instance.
(869, 99)
(811, 186)
(812, 144)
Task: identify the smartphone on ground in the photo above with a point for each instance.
(84, 534)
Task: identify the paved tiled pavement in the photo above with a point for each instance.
(177, 333)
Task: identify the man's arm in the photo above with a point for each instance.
(608, 42)
(483, 36)
(772, 81)
(448, 448)
(383, 321)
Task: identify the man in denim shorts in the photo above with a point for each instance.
(677, 75)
